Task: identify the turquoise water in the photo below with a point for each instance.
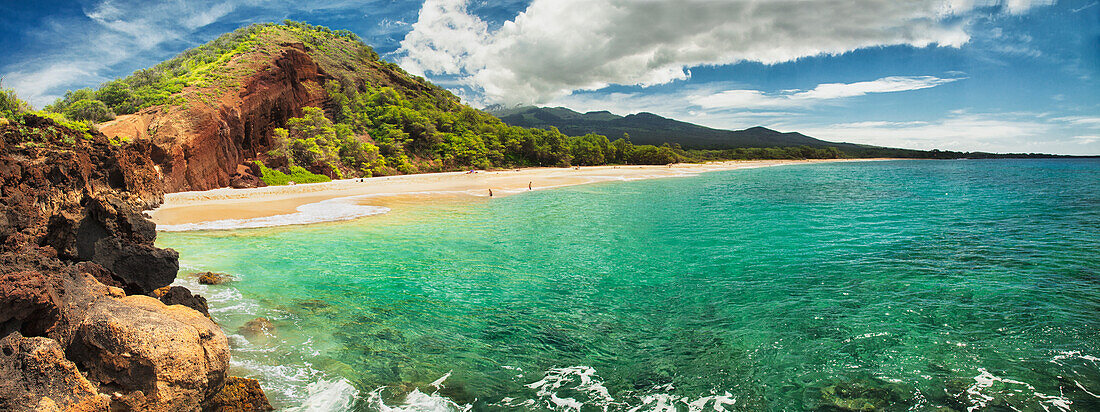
(904, 285)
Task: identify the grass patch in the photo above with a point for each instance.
(297, 175)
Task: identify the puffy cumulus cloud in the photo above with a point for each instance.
(555, 47)
(823, 92)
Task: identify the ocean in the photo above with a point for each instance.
(893, 285)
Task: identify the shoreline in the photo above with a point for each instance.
(346, 199)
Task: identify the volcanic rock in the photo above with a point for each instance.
(259, 327)
(202, 144)
(179, 295)
(34, 375)
(72, 237)
(239, 395)
(212, 278)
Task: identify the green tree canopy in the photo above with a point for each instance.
(90, 110)
(10, 103)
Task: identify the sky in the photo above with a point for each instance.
(971, 75)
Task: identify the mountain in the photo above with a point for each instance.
(217, 106)
(274, 103)
(648, 128)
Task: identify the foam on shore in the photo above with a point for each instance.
(345, 205)
(331, 210)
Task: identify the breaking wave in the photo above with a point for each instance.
(573, 388)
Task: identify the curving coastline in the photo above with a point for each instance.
(353, 198)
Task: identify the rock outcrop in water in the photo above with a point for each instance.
(76, 258)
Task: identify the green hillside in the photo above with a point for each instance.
(380, 120)
(709, 143)
(648, 128)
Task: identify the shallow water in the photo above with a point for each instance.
(908, 285)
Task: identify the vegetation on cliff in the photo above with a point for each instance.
(376, 119)
(10, 104)
(18, 113)
(77, 263)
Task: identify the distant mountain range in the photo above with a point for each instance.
(648, 128)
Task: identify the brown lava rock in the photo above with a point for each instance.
(212, 278)
(76, 258)
(239, 395)
(179, 295)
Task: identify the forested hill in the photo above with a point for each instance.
(648, 128)
(310, 103)
(304, 100)
(756, 142)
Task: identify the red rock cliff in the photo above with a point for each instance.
(201, 142)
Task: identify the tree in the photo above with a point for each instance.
(312, 138)
(621, 149)
(71, 96)
(10, 104)
(90, 110)
(118, 96)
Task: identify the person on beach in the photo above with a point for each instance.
(528, 185)
(490, 192)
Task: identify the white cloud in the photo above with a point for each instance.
(883, 85)
(823, 92)
(555, 47)
(1093, 121)
(32, 85)
(965, 131)
(81, 51)
(956, 131)
(960, 129)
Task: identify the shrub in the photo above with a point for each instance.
(10, 104)
(297, 175)
(91, 110)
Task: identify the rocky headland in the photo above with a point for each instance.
(81, 329)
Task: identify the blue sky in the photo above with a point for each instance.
(990, 75)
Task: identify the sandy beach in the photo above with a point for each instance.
(271, 206)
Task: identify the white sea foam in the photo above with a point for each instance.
(417, 401)
(288, 380)
(578, 378)
(328, 396)
(331, 210)
(294, 382)
(985, 379)
(223, 299)
(580, 387)
(438, 384)
(1073, 355)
